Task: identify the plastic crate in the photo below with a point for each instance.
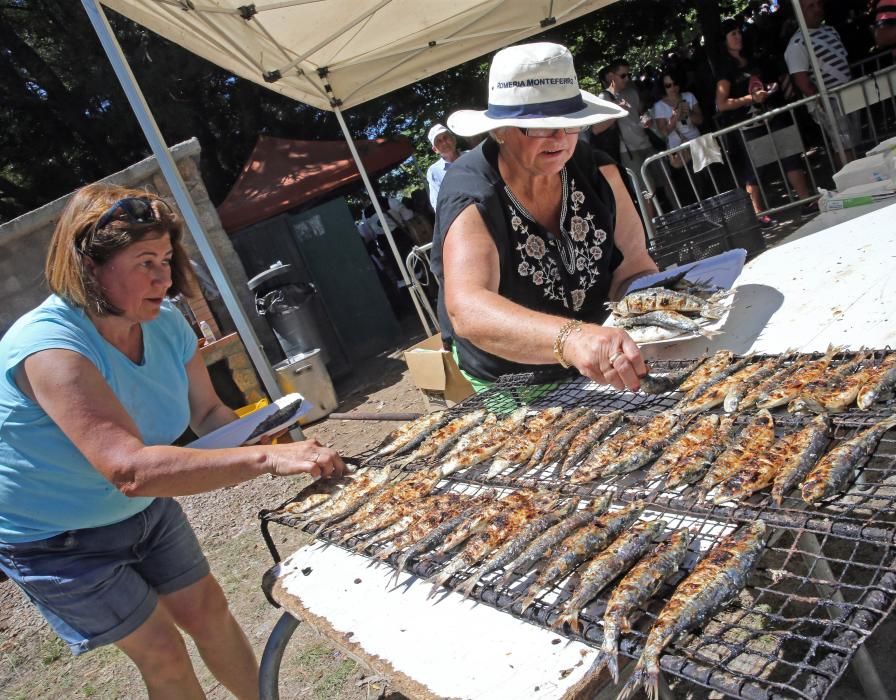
(709, 227)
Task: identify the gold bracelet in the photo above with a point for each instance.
(566, 329)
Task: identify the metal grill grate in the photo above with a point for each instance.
(826, 579)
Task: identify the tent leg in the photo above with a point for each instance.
(819, 82)
(182, 197)
(382, 217)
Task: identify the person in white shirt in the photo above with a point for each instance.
(677, 113)
(834, 64)
(443, 143)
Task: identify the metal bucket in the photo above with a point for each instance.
(307, 374)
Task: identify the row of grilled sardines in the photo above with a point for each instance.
(537, 540)
(722, 459)
(802, 383)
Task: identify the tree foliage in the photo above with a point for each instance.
(66, 121)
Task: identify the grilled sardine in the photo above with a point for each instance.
(620, 555)
(829, 476)
(716, 579)
(519, 451)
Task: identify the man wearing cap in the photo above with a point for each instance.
(533, 234)
(443, 143)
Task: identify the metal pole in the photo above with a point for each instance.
(382, 217)
(181, 196)
(819, 81)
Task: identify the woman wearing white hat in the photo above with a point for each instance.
(532, 237)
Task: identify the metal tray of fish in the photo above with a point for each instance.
(802, 606)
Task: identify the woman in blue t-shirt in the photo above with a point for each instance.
(95, 385)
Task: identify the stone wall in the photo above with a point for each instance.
(24, 242)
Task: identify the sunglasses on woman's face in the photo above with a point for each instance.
(668, 85)
(543, 133)
(136, 210)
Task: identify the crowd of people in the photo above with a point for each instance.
(760, 63)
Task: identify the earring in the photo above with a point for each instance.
(500, 142)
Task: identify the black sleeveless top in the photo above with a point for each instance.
(565, 276)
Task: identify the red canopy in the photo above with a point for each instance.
(282, 174)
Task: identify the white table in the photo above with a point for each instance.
(834, 286)
(831, 286)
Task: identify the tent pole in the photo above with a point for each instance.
(182, 197)
(382, 217)
(819, 81)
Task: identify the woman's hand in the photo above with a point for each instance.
(606, 355)
(759, 96)
(305, 457)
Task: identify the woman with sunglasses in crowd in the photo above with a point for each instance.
(533, 236)
(97, 383)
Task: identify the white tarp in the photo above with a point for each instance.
(361, 49)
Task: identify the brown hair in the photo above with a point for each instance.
(76, 237)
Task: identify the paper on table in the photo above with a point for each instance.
(236, 433)
(719, 270)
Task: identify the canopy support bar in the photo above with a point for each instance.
(382, 217)
(819, 82)
(182, 197)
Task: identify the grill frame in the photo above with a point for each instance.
(867, 590)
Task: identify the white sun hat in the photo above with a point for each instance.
(435, 131)
(534, 85)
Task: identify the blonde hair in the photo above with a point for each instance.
(76, 238)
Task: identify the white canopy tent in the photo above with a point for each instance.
(332, 54)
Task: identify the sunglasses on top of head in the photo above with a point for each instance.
(543, 132)
(135, 210)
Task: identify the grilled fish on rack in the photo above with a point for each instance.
(662, 383)
(549, 435)
(716, 579)
(789, 457)
(497, 531)
(716, 394)
(318, 493)
(810, 443)
(692, 466)
(637, 587)
(746, 393)
(805, 373)
(553, 536)
(629, 449)
(585, 441)
(481, 443)
(836, 391)
(350, 498)
(413, 513)
(706, 369)
(381, 505)
(433, 511)
(880, 383)
(720, 377)
(580, 546)
(409, 435)
(618, 557)
(441, 440)
(514, 547)
(436, 536)
(644, 301)
(520, 450)
(698, 435)
(830, 475)
(560, 444)
(754, 439)
(491, 510)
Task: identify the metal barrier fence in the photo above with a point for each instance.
(868, 103)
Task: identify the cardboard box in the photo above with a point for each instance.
(434, 371)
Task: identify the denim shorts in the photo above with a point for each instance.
(97, 585)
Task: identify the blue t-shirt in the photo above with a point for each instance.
(46, 485)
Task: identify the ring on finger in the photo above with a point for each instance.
(615, 356)
(316, 455)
